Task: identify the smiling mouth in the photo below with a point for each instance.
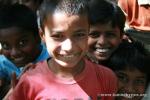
(102, 50)
(18, 60)
(68, 57)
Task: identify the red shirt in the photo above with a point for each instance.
(41, 84)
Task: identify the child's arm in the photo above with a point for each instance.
(1, 82)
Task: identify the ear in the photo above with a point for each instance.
(42, 35)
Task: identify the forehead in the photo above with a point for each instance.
(13, 33)
(133, 73)
(62, 20)
(105, 27)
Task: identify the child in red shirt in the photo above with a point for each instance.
(68, 75)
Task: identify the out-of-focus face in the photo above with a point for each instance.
(66, 38)
(103, 40)
(18, 46)
(131, 82)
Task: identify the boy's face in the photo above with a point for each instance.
(131, 82)
(103, 40)
(66, 38)
(18, 46)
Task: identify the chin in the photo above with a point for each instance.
(65, 64)
(101, 59)
(20, 65)
(123, 98)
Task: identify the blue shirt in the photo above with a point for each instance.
(7, 67)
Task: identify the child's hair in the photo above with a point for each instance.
(36, 1)
(131, 55)
(7, 2)
(19, 16)
(103, 12)
(71, 7)
(32, 4)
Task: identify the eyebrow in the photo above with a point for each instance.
(121, 73)
(141, 76)
(24, 35)
(60, 32)
(80, 30)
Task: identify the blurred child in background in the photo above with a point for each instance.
(20, 40)
(131, 62)
(106, 30)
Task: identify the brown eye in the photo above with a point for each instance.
(5, 46)
(110, 34)
(79, 35)
(94, 34)
(140, 82)
(57, 36)
(122, 78)
(22, 42)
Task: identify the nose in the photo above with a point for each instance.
(129, 88)
(14, 52)
(66, 45)
(101, 39)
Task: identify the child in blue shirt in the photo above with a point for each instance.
(20, 40)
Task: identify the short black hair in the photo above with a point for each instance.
(70, 7)
(20, 16)
(36, 1)
(7, 2)
(104, 11)
(131, 55)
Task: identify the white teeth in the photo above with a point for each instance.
(102, 50)
(69, 56)
(18, 59)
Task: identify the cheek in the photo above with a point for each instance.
(29, 49)
(84, 44)
(115, 42)
(120, 85)
(91, 41)
(140, 89)
(6, 53)
(52, 47)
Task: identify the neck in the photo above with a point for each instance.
(104, 63)
(64, 72)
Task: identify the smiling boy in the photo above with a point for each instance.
(68, 75)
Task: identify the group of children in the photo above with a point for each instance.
(82, 54)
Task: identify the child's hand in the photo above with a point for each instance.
(128, 38)
(1, 82)
(15, 79)
(14, 82)
(7, 95)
